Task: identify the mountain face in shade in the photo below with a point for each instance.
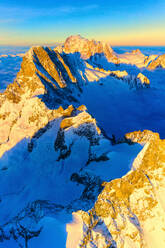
(74, 169)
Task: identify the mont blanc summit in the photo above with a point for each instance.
(82, 148)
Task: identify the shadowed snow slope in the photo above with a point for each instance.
(68, 154)
(67, 147)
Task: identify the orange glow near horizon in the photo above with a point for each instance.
(140, 37)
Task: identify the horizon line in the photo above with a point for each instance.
(61, 43)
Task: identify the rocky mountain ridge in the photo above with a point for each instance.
(159, 62)
(87, 48)
(128, 208)
(49, 141)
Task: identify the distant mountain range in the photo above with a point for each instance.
(78, 167)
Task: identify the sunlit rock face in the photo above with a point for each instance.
(149, 59)
(87, 48)
(159, 62)
(43, 68)
(130, 211)
(143, 80)
(43, 73)
(141, 137)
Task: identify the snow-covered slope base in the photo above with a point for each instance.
(130, 211)
(68, 179)
(59, 170)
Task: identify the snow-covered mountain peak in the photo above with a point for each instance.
(81, 119)
(144, 81)
(30, 53)
(87, 48)
(136, 51)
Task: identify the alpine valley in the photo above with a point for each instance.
(82, 149)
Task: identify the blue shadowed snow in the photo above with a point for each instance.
(120, 162)
(53, 234)
(119, 109)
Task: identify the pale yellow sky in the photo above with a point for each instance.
(143, 36)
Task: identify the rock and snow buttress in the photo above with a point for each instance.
(74, 170)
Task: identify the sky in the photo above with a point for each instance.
(121, 22)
